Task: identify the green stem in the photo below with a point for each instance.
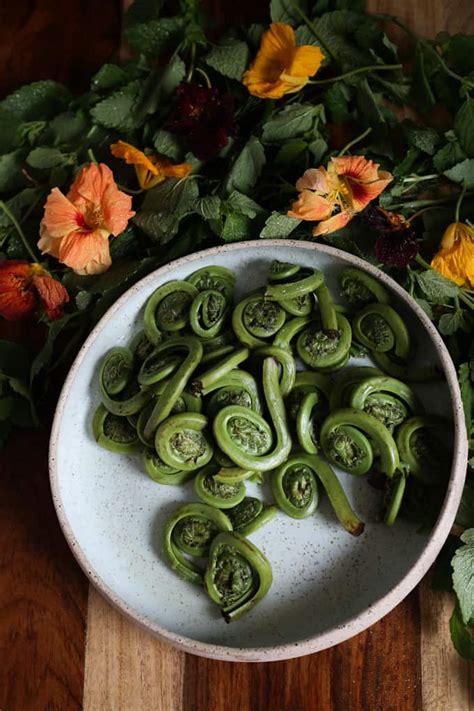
(421, 203)
(21, 234)
(359, 70)
(129, 190)
(311, 26)
(459, 202)
(419, 178)
(190, 73)
(206, 77)
(354, 141)
(91, 155)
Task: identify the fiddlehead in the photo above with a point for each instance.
(294, 488)
(387, 399)
(326, 347)
(161, 472)
(113, 432)
(238, 575)
(202, 524)
(141, 347)
(380, 328)
(287, 365)
(295, 291)
(165, 402)
(341, 391)
(220, 494)
(250, 515)
(236, 388)
(167, 309)
(256, 318)
(421, 442)
(212, 376)
(394, 497)
(360, 289)
(291, 329)
(120, 395)
(346, 439)
(208, 313)
(215, 279)
(246, 437)
(183, 443)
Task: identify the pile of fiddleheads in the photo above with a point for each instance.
(213, 391)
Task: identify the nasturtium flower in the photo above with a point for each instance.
(281, 67)
(455, 258)
(23, 285)
(396, 245)
(76, 228)
(331, 197)
(151, 169)
(204, 118)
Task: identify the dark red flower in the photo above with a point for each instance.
(204, 118)
(396, 245)
(20, 285)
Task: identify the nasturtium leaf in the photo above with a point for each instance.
(117, 110)
(38, 101)
(464, 127)
(237, 227)
(284, 11)
(290, 122)
(462, 173)
(435, 287)
(46, 157)
(109, 76)
(155, 37)
(164, 207)
(448, 156)
(209, 207)
(450, 323)
(278, 226)
(230, 58)
(244, 205)
(67, 128)
(246, 168)
(463, 575)
(167, 144)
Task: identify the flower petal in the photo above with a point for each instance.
(46, 243)
(132, 155)
(306, 61)
(52, 294)
(90, 184)
(276, 53)
(337, 222)
(311, 206)
(61, 217)
(313, 179)
(116, 208)
(363, 193)
(86, 252)
(16, 297)
(356, 167)
(457, 261)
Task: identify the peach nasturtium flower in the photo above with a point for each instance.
(20, 285)
(455, 258)
(334, 195)
(281, 67)
(151, 170)
(76, 228)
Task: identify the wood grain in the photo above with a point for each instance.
(43, 595)
(126, 667)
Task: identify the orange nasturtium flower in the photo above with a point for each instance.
(334, 195)
(20, 285)
(281, 67)
(76, 228)
(151, 170)
(455, 258)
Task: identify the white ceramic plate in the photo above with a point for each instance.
(327, 585)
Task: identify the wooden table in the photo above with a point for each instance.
(62, 647)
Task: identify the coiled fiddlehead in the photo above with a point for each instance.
(342, 389)
(208, 313)
(421, 442)
(387, 399)
(161, 472)
(182, 442)
(256, 318)
(360, 289)
(246, 437)
(236, 388)
(326, 347)
(295, 488)
(238, 575)
(347, 436)
(165, 402)
(295, 294)
(217, 493)
(141, 347)
(120, 395)
(250, 515)
(167, 309)
(113, 432)
(203, 522)
(380, 328)
(308, 406)
(215, 279)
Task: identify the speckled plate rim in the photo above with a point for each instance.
(383, 605)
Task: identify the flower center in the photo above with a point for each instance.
(93, 216)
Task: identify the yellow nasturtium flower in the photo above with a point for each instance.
(455, 258)
(281, 67)
(152, 169)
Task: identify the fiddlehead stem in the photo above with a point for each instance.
(394, 497)
(346, 437)
(336, 495)
(421, 442)
(193, 536)
(286, 362)
(246, 437)
(238, 575)
(294, 289)
(182, 442)
(291, 329)
(161, 472)
(216, 493)
(212, 376)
